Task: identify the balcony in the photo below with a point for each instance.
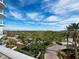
(11, 54)
(2, 6)
(2, 15)
(1, 0)
(1, 25)
(2, 56)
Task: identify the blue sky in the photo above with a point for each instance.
(53, 15)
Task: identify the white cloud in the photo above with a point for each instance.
(62, 6)
(16, 14)
(73, 19)
(32, 15)
(68, 8)
(29, 22)
(45, 0)
(63, 24)
(11, 7)
(65, 6)
(35, 16)
(27, 2)
(21, 2)
(47, 4)
(38, 17)
(32, 1)
(52, 18)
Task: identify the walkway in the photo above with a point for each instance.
(51, 52)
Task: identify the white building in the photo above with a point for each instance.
(2, 6)
(11, 54)
(6, 53)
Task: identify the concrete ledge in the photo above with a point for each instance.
(13, 54)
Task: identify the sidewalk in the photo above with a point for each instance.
(51, 52)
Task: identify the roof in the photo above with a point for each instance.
(13, 54)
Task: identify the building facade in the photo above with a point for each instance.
(2, 6)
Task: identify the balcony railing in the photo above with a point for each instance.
(1, 0)
(13, 54)
(2, 15)
(2, 6)
(1, 25)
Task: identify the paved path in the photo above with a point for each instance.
(51, 52)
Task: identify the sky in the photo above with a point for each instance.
(40, 15)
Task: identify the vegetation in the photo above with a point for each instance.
(36, 41)
(68, 53)
(73, 28)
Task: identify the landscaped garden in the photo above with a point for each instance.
(72, 51)
(36, 42)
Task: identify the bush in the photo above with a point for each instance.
(68, 52)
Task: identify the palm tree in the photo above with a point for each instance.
(69, 30)
(73, 28)
(67, 37)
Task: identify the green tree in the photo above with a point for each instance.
(73, 28)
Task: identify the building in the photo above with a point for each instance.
(6, 53)
(2, 6)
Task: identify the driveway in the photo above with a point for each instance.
(51, 52)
